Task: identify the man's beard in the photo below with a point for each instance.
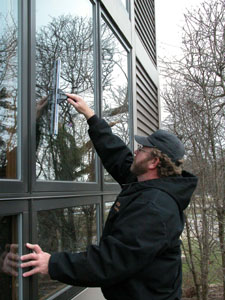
(139, 168)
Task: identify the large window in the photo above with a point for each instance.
(65, 229)
(52, 184)
(9, 90)
(115, 82)
(64, 30)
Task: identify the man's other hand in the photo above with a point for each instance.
(38, 260)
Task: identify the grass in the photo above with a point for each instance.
(215, 276)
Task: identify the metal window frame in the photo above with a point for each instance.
(44, 204)
(56, 186)
(20, 185)
(22, 211)
(108, 186)
(110, 198)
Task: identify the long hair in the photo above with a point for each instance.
(166, 167)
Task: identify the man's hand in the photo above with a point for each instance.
(80, 105)
(38, 259)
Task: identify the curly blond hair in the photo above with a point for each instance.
(166, 167)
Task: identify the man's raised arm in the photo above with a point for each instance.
(114, 153)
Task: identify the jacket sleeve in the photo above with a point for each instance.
(113, 152)
(138, 236)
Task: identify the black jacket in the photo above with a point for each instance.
(139, 253)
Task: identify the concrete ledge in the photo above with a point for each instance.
(90, 293)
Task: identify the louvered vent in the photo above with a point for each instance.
(147, 102)
(145, 25)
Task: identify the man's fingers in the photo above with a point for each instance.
(73, 96)
(71, 101)
(31, 272)
(29, 256)
(33, 247)
(32, 263)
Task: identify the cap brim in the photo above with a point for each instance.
(144, 141)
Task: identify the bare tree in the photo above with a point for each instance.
(195, 99)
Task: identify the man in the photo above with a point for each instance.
(139, 253)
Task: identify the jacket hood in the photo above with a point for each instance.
(180, 188)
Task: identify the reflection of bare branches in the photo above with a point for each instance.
(115, 88)
(117, 111)
(8, 62)
(71, 229)
(71, 38)
(41, 163)
(120, 97)
(8, 95)
(70, 155)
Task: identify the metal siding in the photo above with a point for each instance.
(147, 102)
(145, 25)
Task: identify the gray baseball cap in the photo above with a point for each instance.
(165, 141)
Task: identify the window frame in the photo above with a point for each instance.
(109, 198)
(21, 208)
(20, 185)
(43, 204)
(57, 186)
(114, 186)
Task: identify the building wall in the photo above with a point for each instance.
(53, 188)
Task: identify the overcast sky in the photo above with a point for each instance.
(169, 21)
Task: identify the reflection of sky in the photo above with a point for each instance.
(118, 77)
(124, 2)
(8, 13)
(45, 10)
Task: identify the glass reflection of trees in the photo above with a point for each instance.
(67, 229)
(69, 155)
(8, 90)
(107, 207)
(8, 253)
(115, 85)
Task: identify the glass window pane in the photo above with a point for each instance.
(9, 258)
(124, 2)
(9, 94)
(107, 207)
(64, 30)
(115, 85)
(66, 229)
